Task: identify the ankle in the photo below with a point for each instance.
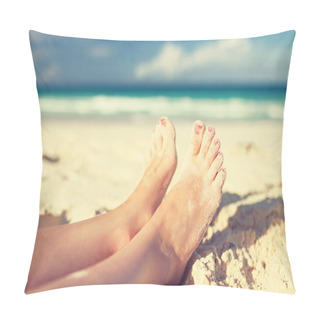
(168, 251)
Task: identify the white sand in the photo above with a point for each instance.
(100, 163)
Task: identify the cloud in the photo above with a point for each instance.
(100, 51)
(51, 73)
(166, 63)
(172, 61)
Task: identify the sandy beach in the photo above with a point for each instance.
(91, 166)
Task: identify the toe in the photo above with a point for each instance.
(213, 150)
(219, 181)
(155, 144)
(168, 134)
(207, 139)
(167, 129)
(198, 130)
(215, 166)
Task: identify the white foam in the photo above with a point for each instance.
(219, 109)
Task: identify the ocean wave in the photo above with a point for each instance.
(181, 107)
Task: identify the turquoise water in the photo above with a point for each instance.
(217, 103)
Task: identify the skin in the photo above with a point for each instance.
(65, 249)
(160, 251)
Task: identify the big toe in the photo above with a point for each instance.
(198, 130)
(167, 131)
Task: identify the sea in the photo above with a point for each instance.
(218, 103)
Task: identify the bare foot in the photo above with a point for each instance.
(183, 217)
(160, 168)
(162, 161)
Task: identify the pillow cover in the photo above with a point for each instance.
(101, 101)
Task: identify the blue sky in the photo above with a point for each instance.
(75, 62)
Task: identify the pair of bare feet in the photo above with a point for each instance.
(189, 207)
(148, 239)
(193, 201)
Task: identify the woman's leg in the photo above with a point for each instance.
(160, 251)
(64, 249)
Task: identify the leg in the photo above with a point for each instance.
(68, 248)
(161, 250)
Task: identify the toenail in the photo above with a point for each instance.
(210, 129)
(219, 154)
(197, 128)
(216, 142)
(163, 122)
